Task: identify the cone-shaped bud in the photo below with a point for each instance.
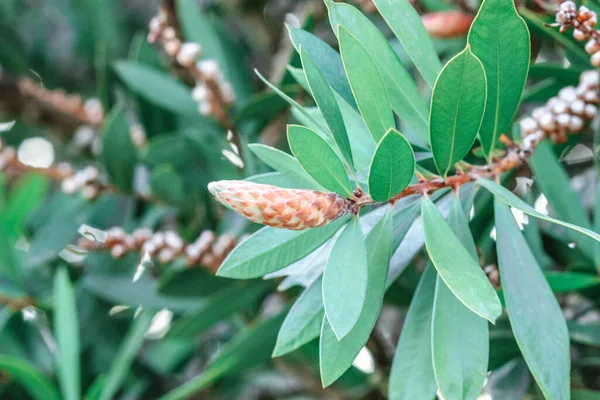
(281, 208)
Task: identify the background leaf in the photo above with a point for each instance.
(118, 152)
(392, 168)
(32, 379)
(535, 316)
(457, 108)
(500, 38)
(319, 160)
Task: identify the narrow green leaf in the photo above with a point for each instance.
(460, 338)
(325, 99)
(118, 152)
(500, 38)
(404, 97)
(457, 108)
(157, 87)
(270, 249)
(286, 164)
(459, 271)
(66, 331)
(412, 374)
(512, 200)
(248, 349)
(367, 86)
(25, 197)
(11, 265)
(345, 280)
(561, 282)
(167, 184)
(215, 308)
(406, 24)
(327, 60)
(584, 333)
(29, 377)
(554, 182)
(319, 159)
(303, 322)
(535, 316)
(392, 168)
(126, 355)
(336, 356)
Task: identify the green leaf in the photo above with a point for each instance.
(460, 338)
(248, 349)
(367, 86)
(118, 152)
(157, 87)
(303, 322)
(25, 197)
(562, 282)
(392, 168)
(11, 265)
(509, 198)
(554, 182)
(29, 377)
(319, 159)
(406, 24)
(336, 356)
(215, 308)
(168, 185)
(588, 334)
(326, 59)
(325, 99)
(271, 249)
(500, 38)
(66, 331)
(286, 164)
(128, 350)
(345, 280)
(412, 374)
(459, 271)
(532, 309)
(404, 97)
(457, 108)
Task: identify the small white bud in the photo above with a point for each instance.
(210, 68)
(205, 108)
(563, 120)
(589, 78)
(592, 46)
(590, 111)
(568, 7)
(188, 53)
(592, 20)
(118, 251)
(149, 248)
(578, 107)
(559, 107)
(90, 192)
(580, 36)
(84, 136)
(169, 33)
(158, 239)
(576, 124)
(166, 255)
(192, 253)
(172, 47)
(94, 110)
(538, 112)
(200, 93)
(547, 121)
(69, 186)
(591, 96)
(568, 94)
(227, 92)
(233, 158)
(173, 241)
(528, 125)
(155, 25)
(116, 233)
(596, 59)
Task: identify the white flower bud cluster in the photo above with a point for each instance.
(566, 113)
(584, 23)
(8, 155)
(87, 181)
(211, 86)
(207, 250)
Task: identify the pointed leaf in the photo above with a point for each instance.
(404, 97)
(303, 322)
(457, 108)
(319, 159)
(126, 355)
(336, 356)
(284, 163)
(535, 316)
(118, 152)
(66, 330)
(327, 60)
(271, 249)
(406, 24)
(500, 38)
(367, 85)
(392, 168)
(512, 200)
(325, 99)
(412, 375)
(460, 338)
(459, 271)
(554, 182)
(345, 280)
(29, 377)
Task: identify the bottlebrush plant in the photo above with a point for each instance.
(423, 169)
